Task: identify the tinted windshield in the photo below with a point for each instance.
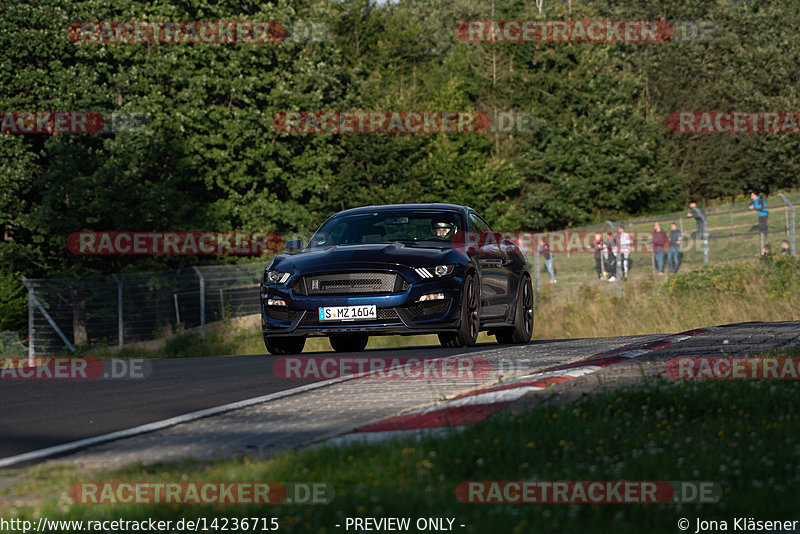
(388, 227)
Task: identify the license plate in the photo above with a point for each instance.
(347, 313)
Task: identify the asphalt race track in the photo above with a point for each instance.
(39, 414)
(42, 413)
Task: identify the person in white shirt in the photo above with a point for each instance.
(624, 249)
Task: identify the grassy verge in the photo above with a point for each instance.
(740, 434)
(244, 337)
(719, 294)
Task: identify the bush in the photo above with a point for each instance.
(713, 280)
(13, 302)
(782, 276)
(184, 346)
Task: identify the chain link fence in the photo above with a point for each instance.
(65, 313)
(732, 233)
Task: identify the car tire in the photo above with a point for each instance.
(348, 343)
(279, 346)
(470, 318)
(522, 330)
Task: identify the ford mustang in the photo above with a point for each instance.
(399, 269)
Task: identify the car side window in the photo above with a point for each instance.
(477, 224)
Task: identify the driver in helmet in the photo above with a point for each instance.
(442, 229)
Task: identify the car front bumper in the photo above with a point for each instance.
(397, 312)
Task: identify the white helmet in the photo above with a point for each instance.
(448, 227)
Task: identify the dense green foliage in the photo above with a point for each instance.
(212, 160)
(776, 275)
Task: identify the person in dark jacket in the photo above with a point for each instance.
(659, 242)
(611, 258)
(598, 248)
(674, 254)
(699, 216)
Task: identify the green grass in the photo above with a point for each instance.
(716, 294)
(231, 338)
(740, 434)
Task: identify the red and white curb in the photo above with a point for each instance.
(475, 406)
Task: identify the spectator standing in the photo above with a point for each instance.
(760, 205)
(611, 258)
(659, 242)
(674, 254)
(597, 247)
(697, 213)
(625, 250)
(544, 250)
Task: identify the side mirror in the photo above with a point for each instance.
(508, 246)
(295, 245)
(491, 242)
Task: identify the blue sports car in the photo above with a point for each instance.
(398, 269)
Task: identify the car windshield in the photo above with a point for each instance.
(434, 228)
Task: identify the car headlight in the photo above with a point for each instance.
(442, 270)
(430, 272)
(276, 277)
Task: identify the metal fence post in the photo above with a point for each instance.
(202, 302)
(705, 238)
(31, 349)
(792, 226)
(119, 310)
(536, 267)
(786, 221)
(35, 302)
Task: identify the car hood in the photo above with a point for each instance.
(365, 256)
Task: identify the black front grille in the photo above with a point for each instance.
(281, 313)
(429, 307)
(350, 283)
(384, 315)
